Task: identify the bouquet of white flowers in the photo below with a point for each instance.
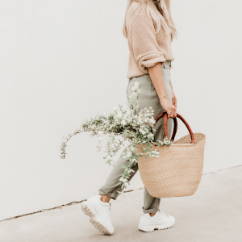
(123, 128)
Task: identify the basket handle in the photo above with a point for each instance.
(165, 117)
(165, 121)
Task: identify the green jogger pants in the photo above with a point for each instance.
(147, 96)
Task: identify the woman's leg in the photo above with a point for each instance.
(113, 187)
(152, 204)
(147, 96)
(98, 206)
(157, 219)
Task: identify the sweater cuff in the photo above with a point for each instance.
(150, 59)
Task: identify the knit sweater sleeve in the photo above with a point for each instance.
(143, 42)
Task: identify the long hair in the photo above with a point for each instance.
(161, 18)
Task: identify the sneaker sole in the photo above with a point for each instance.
(100, 227)
(86, 210)
(152, 228)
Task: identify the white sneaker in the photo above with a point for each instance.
(160, 220)
(99, 213)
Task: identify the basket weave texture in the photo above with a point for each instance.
(178, 169)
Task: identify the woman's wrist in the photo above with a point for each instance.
(162, 97)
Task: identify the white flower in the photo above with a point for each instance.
(166, 141)
(121, 129)
(154, 153)
(122, 179)
(150, 136)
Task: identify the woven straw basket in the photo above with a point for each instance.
(178, 169)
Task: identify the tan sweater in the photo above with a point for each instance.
(146, 48)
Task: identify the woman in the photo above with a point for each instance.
(149, 30)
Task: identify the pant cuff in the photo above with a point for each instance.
(150, 210)
(112, 195)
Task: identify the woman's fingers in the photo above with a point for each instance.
(172, 112)
(168, 107)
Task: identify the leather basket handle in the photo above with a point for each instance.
(160, 115)
(164, 115)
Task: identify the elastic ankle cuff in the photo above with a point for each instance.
(112, 195)
(151, 210)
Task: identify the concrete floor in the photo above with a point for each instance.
(213, 214)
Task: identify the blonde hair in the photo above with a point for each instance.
(161, 18)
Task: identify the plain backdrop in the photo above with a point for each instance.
(62, 61)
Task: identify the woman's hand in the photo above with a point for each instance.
(169, 107)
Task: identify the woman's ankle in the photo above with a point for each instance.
(105, 198)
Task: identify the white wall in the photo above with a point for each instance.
(62, 61)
